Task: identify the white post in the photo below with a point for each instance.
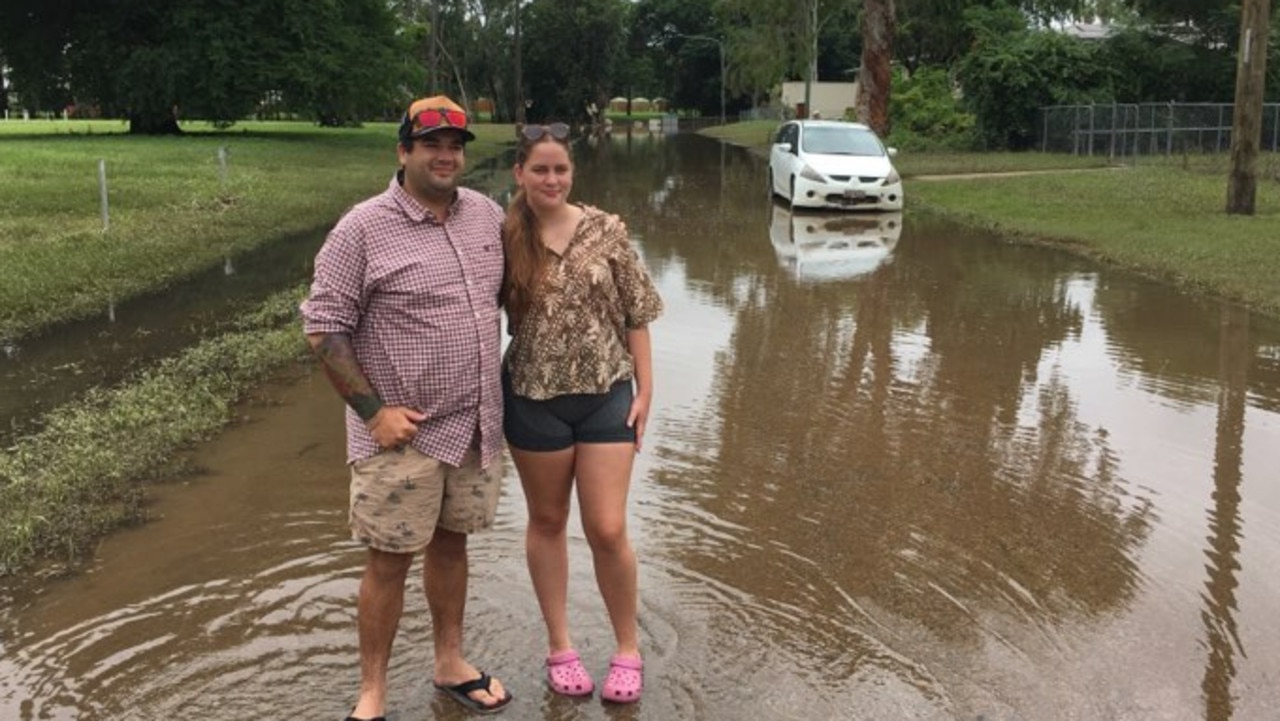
(102, 193)
(222, 164)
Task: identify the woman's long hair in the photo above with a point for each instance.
(526, 255)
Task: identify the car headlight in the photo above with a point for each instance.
(892, 178)
(810, 174)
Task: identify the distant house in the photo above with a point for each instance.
(1088, 31)
(831, 101)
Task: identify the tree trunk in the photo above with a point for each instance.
(154, 124)
(1246, 127)
(4, 92)
(877, 54)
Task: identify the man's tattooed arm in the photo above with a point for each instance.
(339, 360)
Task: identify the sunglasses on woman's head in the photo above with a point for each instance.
(558, 131)
(439, 117)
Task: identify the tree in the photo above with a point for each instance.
(151, 60)
(678, 68)
(875, 80)
(775, 40)
(342, 62)
(32, 35)
(562, 83)
(1014, 70)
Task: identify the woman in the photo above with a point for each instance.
(577, 383)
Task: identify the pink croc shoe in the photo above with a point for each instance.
(625, 680)
(567, 675)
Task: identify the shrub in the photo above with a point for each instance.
(926, 114)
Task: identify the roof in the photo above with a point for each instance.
(1088, 31)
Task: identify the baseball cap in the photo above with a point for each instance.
(427, 115)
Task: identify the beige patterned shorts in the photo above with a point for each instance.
(398, 498)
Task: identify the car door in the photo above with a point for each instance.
(782, 161)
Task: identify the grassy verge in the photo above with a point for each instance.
(173, 211)
(76, 479)
(1163, 217)
(1161, 221)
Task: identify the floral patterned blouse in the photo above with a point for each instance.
(573, 339)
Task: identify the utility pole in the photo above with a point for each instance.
(1246, 124)
(811, 69)
(724, 76)
(433, 51)
(520, 115)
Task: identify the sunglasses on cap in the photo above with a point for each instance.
(533, 133)
(433, 118)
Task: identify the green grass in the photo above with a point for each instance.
(1163, 221)
(171, 212)
(1163, 216)
(752, 134)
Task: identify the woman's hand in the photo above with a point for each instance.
(638, 416)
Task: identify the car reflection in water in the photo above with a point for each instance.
(825, 246)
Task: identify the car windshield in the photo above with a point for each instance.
(834, 140)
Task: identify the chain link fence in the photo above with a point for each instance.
(1119, 130)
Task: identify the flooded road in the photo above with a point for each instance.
(43, 371)
(896, 469)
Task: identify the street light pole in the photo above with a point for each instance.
(723, 74)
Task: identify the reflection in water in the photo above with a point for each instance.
(832, 245)
(1221, 631)
(977, 481)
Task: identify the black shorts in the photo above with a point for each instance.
(558, 423)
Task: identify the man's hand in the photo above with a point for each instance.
(394, 426)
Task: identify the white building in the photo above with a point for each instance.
(832, 101)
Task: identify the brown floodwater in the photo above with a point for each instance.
(896, 470)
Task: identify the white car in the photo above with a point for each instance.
(833, 164)
(816, 247)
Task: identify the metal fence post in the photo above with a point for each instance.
(1075, 130)
(1275, 128)
(1218, 138)
(102, 194)
(1111, 150)
(1092, 106)
(1168, 143)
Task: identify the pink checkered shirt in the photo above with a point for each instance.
(420, 302)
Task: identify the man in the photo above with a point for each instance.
(403, 314)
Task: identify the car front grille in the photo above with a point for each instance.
(861, 178)
(840, 199)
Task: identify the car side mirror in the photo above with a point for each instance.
(784, 147)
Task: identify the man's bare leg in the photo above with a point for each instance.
(445, 579)
(379, 607)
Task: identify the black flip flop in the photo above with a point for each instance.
(459, 693)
